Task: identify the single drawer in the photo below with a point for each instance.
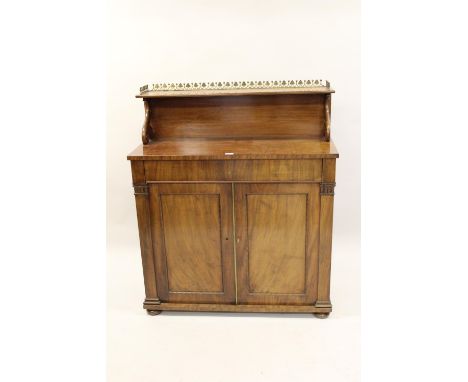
(238, 170)
(277, 170)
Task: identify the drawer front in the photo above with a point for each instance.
(309, 170)
(277, 170)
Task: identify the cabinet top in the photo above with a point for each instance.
(233, 88)
(232, 149)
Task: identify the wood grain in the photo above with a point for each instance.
(327, 117)
(144, 230)
(237, 170)
(146, 131)
(277, 237)
(277, 228)
(281, 116)
(239, 308)
(208, 149)
(326, 229)
(194, 250)
(192, 236)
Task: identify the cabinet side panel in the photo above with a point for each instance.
(144, 230)
(326, 228)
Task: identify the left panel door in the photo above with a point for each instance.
(192, 233)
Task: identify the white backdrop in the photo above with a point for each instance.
(152, 41)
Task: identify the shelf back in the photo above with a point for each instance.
(246, 116)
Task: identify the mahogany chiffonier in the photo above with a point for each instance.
(234, 188)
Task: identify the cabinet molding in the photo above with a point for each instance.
(239, 308)
(140, 189)
(327, 188)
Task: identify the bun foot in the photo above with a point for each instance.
(153, 312)
(321, 315)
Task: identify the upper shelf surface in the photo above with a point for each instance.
(225, 149)
(230, 88)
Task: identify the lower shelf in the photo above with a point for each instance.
(238, 308)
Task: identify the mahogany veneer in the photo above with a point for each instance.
(234, 191)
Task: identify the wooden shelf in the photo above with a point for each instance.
(233, 92)
(231, 149)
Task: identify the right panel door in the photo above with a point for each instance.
(277, 241)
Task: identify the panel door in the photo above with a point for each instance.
(277, 242)
(192, 232)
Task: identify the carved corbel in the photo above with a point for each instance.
(327, 116)
(146, 133)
